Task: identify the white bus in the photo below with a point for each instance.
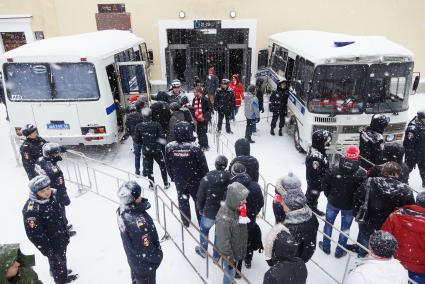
(337, 82)
(71, 87)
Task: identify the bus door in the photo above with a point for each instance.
(132, 82)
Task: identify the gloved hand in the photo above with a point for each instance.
(62, 149)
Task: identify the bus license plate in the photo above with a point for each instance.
(55, 126)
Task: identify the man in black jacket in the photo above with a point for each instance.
(31, 149)
(243, 150)
(186, 165)
(414, 143)
(132, 120)
(149, 134)
(393, 152)
(161, 110)
(211, 192)
(301, 222)
(372, 141)
(259, 93)
(385, 195)
(279, 105)
(224, 104)
(316, 164)
(202, 109)
(339, 185)
(287, 267)
(254, 203)
(45, 227)
(138, 234)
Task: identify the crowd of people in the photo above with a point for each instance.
(368, 184)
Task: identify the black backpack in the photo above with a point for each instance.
(254, 238)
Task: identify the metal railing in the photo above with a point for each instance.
(79, 170)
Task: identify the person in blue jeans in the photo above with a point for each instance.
(137, 150)
(339, 185)
(211, 193)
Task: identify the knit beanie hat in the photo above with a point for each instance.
(352, 152)
(294, 199)
(238, 169)
(383, 244)
(290, 181)
(251, 89)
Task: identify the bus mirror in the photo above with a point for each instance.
(416, 83)
(150, 56)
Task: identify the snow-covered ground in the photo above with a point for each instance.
(96, 252)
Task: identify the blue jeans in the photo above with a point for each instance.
(419, 278)
(346, 220)
(137, 150)
(205, 226)
(229, 273)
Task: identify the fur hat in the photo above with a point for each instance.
(294, 199)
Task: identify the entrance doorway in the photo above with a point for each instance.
(194, 51)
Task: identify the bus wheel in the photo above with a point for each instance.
(297, 139)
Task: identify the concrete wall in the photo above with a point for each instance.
(402, 21)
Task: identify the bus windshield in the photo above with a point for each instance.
(49, 82)
(388, 87)
(338, 89)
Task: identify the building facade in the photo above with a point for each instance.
(189, 36)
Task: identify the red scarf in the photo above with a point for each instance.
(198, 109)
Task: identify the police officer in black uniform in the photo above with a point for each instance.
(279, 105)
(224, 104)
(316, 164)
(372, 141)
(45, 227)
(31, 149)
(134, 118)
(48, 165)
(414, 144)
(138, 234)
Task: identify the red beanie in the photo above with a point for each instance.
(132, 99)
(352, 152)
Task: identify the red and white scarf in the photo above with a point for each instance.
(198, 109)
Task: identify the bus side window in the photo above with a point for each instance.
(307, 77)
(290, 69)
(298, 76)
(113, 81)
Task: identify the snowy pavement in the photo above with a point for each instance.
(96, 252)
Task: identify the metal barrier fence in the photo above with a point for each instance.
(79, 171)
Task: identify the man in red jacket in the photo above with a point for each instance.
(407, 224)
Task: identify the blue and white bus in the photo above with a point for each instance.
(72, 87)
(337, 82)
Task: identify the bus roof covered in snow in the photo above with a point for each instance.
(96, 45)
(322, 47)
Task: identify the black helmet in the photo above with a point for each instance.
(162, 96)
(221, 162)
(393, 152)
(421, 114)
(174, 106)
(28, 129)
(129, 192)
(321, 139)
(184, 100)
(139, 104)
(51, 149)
(38, 183)
(379, 122)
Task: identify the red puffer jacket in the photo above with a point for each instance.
(407, 224)
(237, 90)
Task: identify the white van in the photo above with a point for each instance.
(72, 87)
(337, 82)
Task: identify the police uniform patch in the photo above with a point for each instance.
(140, 222)
(316, 165)
(32, 222)
(146, 241)
(26, 156)
(55, 169)
(410, 135)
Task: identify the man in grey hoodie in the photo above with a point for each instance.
(231, 231)
(252, 112)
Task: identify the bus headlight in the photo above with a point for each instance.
(390, 137)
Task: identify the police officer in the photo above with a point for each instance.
(150, 135)
(372, 141)
(279, 105)
(31, 149)
(138, 234)
(45, 225)
(316, 164)
(224, 104)
(48, 165)
(414, 144)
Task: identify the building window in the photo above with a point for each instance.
(111, 8)
(13, 40)
(39, 35)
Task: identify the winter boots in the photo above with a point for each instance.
(327, 251)
(280, 132)
(272, 131)
(200, 252)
